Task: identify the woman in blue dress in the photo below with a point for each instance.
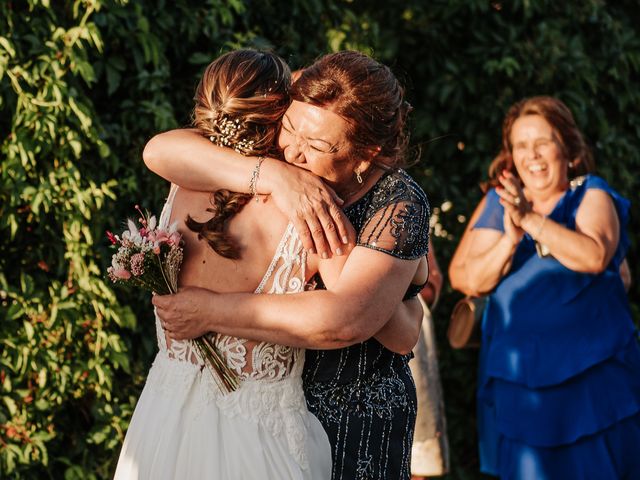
(559, 381)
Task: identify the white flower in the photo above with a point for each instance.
(132, 227)
(115, 264)
(133, 233)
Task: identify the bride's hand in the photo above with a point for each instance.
(313, 208)
(181, 315)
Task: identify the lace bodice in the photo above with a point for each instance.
(250, 359)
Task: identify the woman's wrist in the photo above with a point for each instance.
(533, 223)
(270, 175)
(509, 244)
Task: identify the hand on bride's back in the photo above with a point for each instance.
(313, 208)
(181, 314)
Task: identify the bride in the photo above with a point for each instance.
(184, 426)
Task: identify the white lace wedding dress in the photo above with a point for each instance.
(185, 427)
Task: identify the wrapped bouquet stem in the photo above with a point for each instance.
(150, 257)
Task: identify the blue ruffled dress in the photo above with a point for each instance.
(559, 380)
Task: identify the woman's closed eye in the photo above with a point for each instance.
(323, 148)
(542, 143)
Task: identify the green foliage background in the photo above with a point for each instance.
(83, 85)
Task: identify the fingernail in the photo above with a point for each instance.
(324, 255)
(339, 251)
(345, 240)
(311, 251)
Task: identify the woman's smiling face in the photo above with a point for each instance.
(537, 155)
(315, 139)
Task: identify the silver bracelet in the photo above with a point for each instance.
(253, 183)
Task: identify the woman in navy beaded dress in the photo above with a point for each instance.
(559, 379)
(346, 125)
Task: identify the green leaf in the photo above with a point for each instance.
(15, 311)
(11, 405)
(7, 47)
(28, 329)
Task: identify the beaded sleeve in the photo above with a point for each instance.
(393, 217)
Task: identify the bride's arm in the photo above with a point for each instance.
(187, 158)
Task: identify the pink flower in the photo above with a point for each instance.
(161, 237)
(137, 264)
(174, 238)
(121, 273)
(156, 249)
(117, 271)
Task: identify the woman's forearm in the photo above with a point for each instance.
(187, 158)
(574, 250)
(325, 326)
(310, 320)
(370, 287)
(316, 319)
(484, 271)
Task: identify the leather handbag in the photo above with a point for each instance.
(465, 324)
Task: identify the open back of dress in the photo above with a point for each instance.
(185, 426)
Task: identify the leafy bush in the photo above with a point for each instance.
(84, 83)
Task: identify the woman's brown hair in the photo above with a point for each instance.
(367, 95)
(567, 135)
(239, 104)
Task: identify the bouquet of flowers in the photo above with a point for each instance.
(150, 257)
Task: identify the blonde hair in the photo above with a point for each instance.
(239, 103)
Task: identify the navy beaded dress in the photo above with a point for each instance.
(364, 394)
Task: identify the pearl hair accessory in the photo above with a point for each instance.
(228, 136)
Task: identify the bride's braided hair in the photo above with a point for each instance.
(239, 103)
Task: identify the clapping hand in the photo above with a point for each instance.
(515, 204)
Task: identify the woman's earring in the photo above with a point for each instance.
(570, 164)
(358, 177)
